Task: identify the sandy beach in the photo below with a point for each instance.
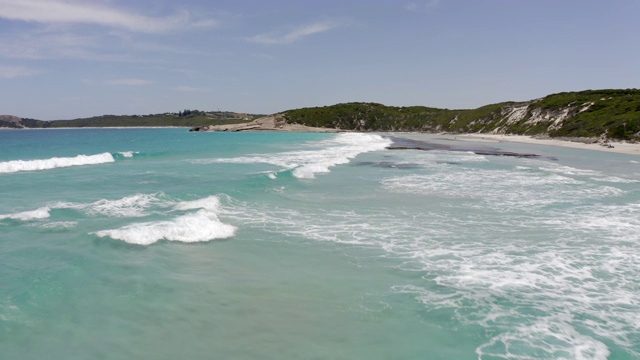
(618, 147)
(278, 123)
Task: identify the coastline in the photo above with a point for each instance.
(271, 123)
(99, 127)
(618, 147)
(275, 123)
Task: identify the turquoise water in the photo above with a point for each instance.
(163, 244)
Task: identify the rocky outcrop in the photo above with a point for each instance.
(275, 122)
(10, 121)
(527, 115)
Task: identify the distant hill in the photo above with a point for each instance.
(592, 113)
(186, 118)
(10, 121)
(613, 114)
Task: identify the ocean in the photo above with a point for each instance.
(165, 244)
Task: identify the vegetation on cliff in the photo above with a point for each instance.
(592, 113)
(613, 114)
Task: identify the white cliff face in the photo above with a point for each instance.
(516, 113)
(511, 114)
(560, 116)
(585, 106)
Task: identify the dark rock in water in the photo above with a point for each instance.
(411, 144)
(505, 153)
(388, 165)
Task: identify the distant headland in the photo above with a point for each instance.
(591, 115)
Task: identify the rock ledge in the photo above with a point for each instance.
(274, 122)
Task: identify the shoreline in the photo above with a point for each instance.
(275, 124)
(271, 123)
(618, 147)
(99, 127)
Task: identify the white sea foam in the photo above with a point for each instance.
(127, 154)
(568, 170)
(305, 164)
(129, 206)
(210, 203)
(615, 179)
(554, 276)
(40, 213)
(197, 227)
(505, 189)
(202, 225)
(560, 339)
(562, 297)
(52, 163)
(60, 225)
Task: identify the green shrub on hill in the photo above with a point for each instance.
(613, 113)
(591, 113)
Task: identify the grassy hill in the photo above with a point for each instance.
(591, 113)
(188, 118)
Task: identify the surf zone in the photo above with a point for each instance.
(15, 166)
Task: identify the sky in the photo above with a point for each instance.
(66, 59)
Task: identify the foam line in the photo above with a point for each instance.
(41, 213)
(199, 226)
(305, 164)
(55, 162)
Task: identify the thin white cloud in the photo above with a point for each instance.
(11, 72)
(295, 34)
(205, 23)
(66, 12)
(128, 82)
(38, 46)
(88, 46)
(185, 88)
(264, 56)
(422, 6)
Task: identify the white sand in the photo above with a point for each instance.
(618, 147)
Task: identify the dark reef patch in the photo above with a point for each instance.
(400, 143)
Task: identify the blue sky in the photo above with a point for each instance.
(63, 59)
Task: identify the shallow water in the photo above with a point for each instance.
(160, 243)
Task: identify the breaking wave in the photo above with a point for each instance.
(126, 154)
(129, 206)
(201, 225)
(543, 260)
(41, 213)
(55, 162)
(192, 221)
(305, 164)
(14, 166)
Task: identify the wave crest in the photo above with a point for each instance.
(55, 162)
(202, 225)
(41, 213)
(305, 164)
